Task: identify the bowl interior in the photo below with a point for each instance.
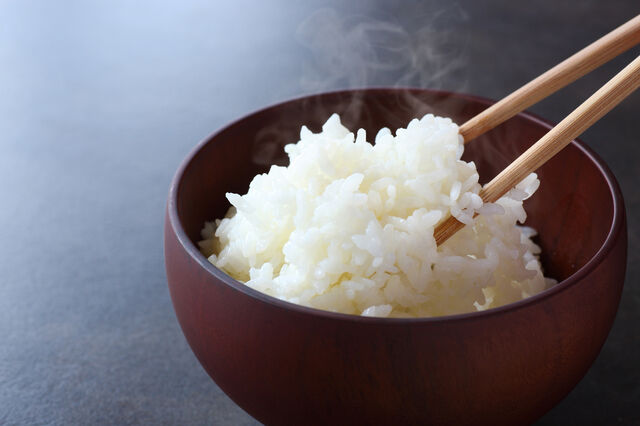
(572, 210)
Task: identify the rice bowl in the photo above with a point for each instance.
(285, 363)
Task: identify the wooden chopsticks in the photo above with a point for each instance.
(591, 57)
(601, 102)
(591, 110)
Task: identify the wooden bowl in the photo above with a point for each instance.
(288, 364)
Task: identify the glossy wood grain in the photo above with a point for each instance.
(286, 364)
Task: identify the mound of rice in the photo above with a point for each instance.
(348, 227)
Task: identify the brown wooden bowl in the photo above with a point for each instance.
(288, 364)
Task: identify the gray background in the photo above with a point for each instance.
(100, 101)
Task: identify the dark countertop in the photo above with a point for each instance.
(99, 104)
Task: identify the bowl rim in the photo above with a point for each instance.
(195, 254)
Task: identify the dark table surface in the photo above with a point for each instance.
(99, 103)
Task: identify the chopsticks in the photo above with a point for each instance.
(597, 53)
(590, 111)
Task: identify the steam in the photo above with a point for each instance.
(357, 51)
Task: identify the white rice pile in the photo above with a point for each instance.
(348, 227)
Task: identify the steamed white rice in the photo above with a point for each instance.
(348, 227)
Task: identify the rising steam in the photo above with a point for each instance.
(357, 51)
